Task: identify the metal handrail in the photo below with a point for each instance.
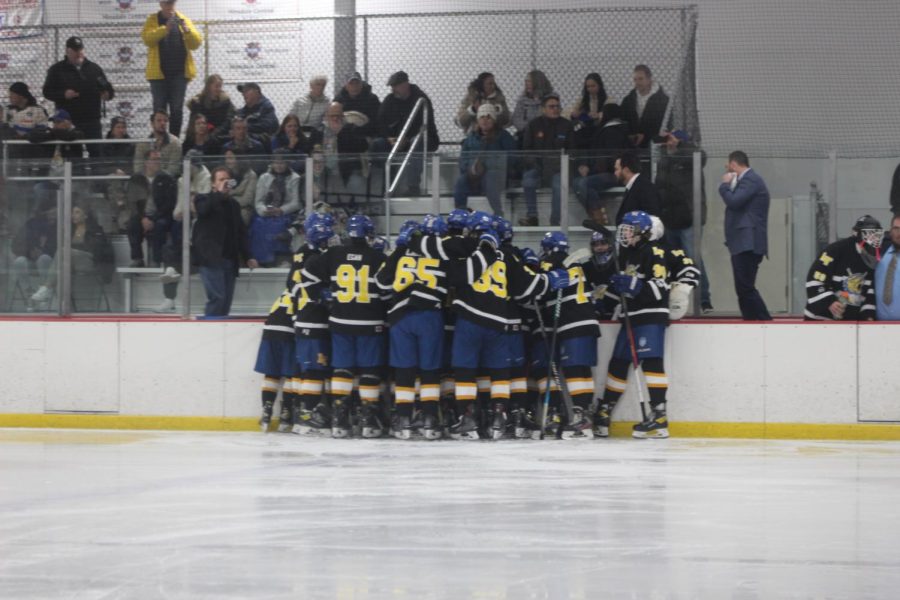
(420, 105)
(7, 143)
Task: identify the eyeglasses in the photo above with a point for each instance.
(553, 106)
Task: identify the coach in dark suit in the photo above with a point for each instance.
(640, 193)
(746, 231)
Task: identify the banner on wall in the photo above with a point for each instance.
(122, 55)
(19, 18)
(110, 11)
(255, 9)
(18, 60)
(135, 107)
(256, 55)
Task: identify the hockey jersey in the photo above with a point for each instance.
(348, 271)
(839, 274)
(647, 261)
(279, 323)
(576, 312)
(311, 314)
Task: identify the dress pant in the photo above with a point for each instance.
(745, 265)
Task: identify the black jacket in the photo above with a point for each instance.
(546, 135)
(89, 82)
(219, 232)
(219, 114)
(651, 121)
(116, 156)
(675, 184)
(895, 191)
(607, 142)
(642, 196)
(394, 112)
(165, 196)
(366, 103)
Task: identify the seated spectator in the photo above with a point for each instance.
(549, 133)
(640, 193)
(887, 279)
(200, 184)
(153, 220)
(343, 145)
(644, 107)
(277, 198)
(392, 116)
(356, 97)
(310, 108)
(241, 142)
(214, 104)
(167, 145)
(35, 246)
(258, 112)
(292, 138)
(675, 185)
(596, 168)
(483, 161)
(22, 115)
(220, 243)
(199, 138)
(587, 112)
(244, 185)
(91, 253)
(528, 106)
(64, 133)
(482, 90)
(117, 159)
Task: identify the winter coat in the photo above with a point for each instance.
(310, 111)
(675, 184)
(169, 151)
(153, 33)
(527, 109)
(365, 103)
(261, 119)
(116, 156)
(90, 81)
(545, 136)
(219, 232)
(291, 202)
(37, 237)
(351, 143)
(218, 113)
(606, 143)
(651, 121)
(394, 112)
(467, 116)
(493, 155)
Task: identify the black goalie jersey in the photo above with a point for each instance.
(839, 274)
(280, 322)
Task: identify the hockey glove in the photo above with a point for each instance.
(325, 296)
(406, 233)
(490, 236)
(626, 285)
(559, 279)
(529, 257)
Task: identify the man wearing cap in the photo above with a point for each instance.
(392, 116)
(170, 37)
(258, 112)
(78, 86)
(483, 161)
(356, 96)
(548, 133)
(63, 131)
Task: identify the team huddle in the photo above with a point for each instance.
(458, 333)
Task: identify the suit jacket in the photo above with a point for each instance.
(746, 214)
(642, 196)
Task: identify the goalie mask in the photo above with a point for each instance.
(634, 229)
(869, 234)
(602, 247)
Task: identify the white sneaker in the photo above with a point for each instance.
(168, 305)
(42, 295)
(170, 275)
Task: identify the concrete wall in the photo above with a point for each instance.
(719, 372)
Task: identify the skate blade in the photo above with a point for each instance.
(497, 434)
(587, 434)
(656, 434)
(469, 435)
(371, 432)
(339, 433)
(431, 434)
(601, 432)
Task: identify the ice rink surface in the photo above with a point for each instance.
(101, 515)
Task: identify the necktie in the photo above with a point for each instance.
(888, 294)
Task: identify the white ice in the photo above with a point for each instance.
(100, 515)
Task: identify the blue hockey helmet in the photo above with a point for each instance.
(458, 219)
(318, 233)
(555, 241)
(434, 225)
(379, 242)
(503, 228)
(480, 221)
(360, 226)
(635, 227)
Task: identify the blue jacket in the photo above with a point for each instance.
(261, 119)
(494, 156)
(746, 214)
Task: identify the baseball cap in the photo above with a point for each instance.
(681, 135)
(398, 78)
(354, 76)
(249, 86)
(61, 115)
(75, 43)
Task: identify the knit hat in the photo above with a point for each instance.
(487, 110)
(398, 78)
(21, 89)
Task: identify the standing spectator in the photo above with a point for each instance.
(245, 178)
(645, 107)
(482, 90)
(78, 86)
(483, 161)
(168, 146)
(170, 37)
(528, 106)
(887, 279)
(198, 137)
(587, 112)
(640, 193)
(746, 200)
(310, 108)
(544, 135)
(241, 142)
(214, 104)
(277, 199)
(220, 243)
(153, 220)
(675, 184)
(356, 96)
(596, 171)
(342, 148)
(392, 116)
(258, 112)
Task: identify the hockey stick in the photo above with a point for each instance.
(558, 376)
(545, 408)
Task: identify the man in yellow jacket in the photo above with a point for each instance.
(170, 37)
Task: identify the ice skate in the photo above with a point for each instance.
(313, 422)
(579, 429)
(401, 428)
(431, 428)
(602, 421)
(523, 424)
(466, 428)
(266, 417)
(370, 421)
(284, 419)
(550, 427)
(656, 426)
(340, 418)
(498, 425)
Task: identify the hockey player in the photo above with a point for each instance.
(345, 274)
(683, 274)
(311, 337)
(641, 278)
(840, 284)
(577, 330)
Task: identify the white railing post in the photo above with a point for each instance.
(186, 227)
(64, 288)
